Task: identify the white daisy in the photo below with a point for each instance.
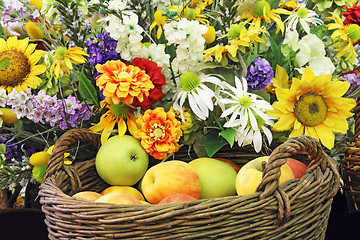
(199, 96)
(305, 17)
(243, 105)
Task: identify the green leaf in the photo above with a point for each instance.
(87, 90)
(213, 143)
(276, 51)
(229, 135)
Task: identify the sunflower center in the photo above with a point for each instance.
(189, 81)
(119, 110)
(14, 68)
(302, 12)
(157, 131)
(353, 31)
(261, 9)
(310, 109)
(60, 52)
(245, 101)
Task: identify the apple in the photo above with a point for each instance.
(124, 189)
(168, 178)
(217, 178)
(298, 168)
(250, 175)
(121, 160)
(89, 195)
(231, 163)
(118, 198)
(179, 197)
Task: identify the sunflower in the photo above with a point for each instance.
(313, 106)
(18, 67)
(345, 36)
(263, 11)
(65, 58)
(116, 114)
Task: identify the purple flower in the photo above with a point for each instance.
(259, 74)
(352, 78)
(101, 49)
(15, 150)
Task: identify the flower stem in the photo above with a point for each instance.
(217, 121)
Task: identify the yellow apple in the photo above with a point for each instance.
(89, 195)
(167, 178)
(124, 189)
(217, 178)
(118, 198)
(250, 175)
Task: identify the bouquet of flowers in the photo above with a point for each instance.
(199, 74)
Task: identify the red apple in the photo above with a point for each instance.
(298, 168)
(231, 163)
(180, 197)
(168, 178)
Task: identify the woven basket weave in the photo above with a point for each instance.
(350, 166)
(299, 209)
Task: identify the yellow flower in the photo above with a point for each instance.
(116, 114)
(39, 158)
(65, 58)
(281, 80)
(210, 35)
(345, 37)
(262, 11)
(36, 3)
(313, 106)
(18, 67)
(159, 132)
(8, 116)
(33, 30)
(159, 21)
(246, 38)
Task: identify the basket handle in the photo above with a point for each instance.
(271, 174)
(70, 137)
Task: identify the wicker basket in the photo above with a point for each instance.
(350, 166)
(299, 209)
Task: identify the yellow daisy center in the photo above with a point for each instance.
(302, 12)
(157, 131)
(310, 109)
(190, 13)
(261, 9)
(14, 68)
(60, 52)
(234, 31)
(120, 110)
(353, 31)
(245, 101)
(189, 81)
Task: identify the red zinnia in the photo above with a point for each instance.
(352, 15)
(158, 79)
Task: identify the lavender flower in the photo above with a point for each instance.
(352, 77)
(259, 74)
(65, 113)
(101, 49)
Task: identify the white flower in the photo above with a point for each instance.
(319, 66)
(199, 96)
(305, 17)
(117, 5)
(243, 105)
(248, 114)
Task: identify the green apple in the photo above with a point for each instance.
(121, 160)
(217, 179)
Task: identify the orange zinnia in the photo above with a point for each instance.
(119, 81)
(159, 133)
